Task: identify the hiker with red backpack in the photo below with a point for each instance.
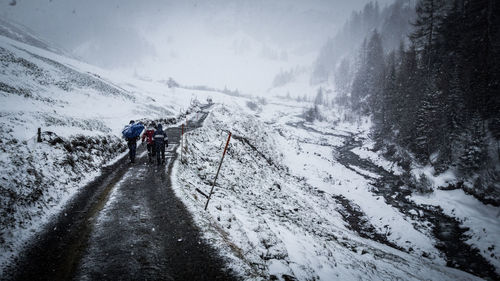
(150, 145)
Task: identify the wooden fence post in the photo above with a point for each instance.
(182, 140)
(218, 170)
(186, 133)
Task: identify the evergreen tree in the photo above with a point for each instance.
(409, 83)
(360, 82)
(430, 14)
(451, 109)
(397, 23)
(343, 82)
(319, 99)
(367, 86)
(474, 154)
(440, 95)
(390, 96)
(480, 47)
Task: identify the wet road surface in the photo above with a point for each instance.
(145, 233)
(126, 225)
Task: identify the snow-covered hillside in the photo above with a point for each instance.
(294, 200)
(22, 34)
(81, 111)
(285, 205)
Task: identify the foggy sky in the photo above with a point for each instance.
(163, 34)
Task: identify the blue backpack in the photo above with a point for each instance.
(132, 131)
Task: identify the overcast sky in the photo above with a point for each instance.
(153, 35)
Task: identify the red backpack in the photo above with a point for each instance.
(149, 134)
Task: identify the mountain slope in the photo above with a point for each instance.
(23, 34)
(286, 206)
(80, 113)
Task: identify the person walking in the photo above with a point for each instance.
(161, 141)
(148, 136)
(132, 137)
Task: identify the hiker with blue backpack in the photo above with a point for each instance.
(131, 133)
(161, 141)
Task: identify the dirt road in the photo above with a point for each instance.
(126, 225)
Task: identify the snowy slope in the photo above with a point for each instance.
(277, 208)
(23, 34)
(81, 111)
(284, 204)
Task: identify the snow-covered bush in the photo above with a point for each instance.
(252, 105)
(421, 185)
(262, 100)
(171, 83)
(312, 114)
(36, 176)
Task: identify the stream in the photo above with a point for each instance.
(449, 234)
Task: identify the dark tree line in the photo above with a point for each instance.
(439, 96)
(392, 20)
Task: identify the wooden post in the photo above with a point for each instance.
(182, 138)
(218, 170)
(186, 132)
(39, 135)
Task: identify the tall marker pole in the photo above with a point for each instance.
(186, 133)
(182, 138)
(218, 170)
